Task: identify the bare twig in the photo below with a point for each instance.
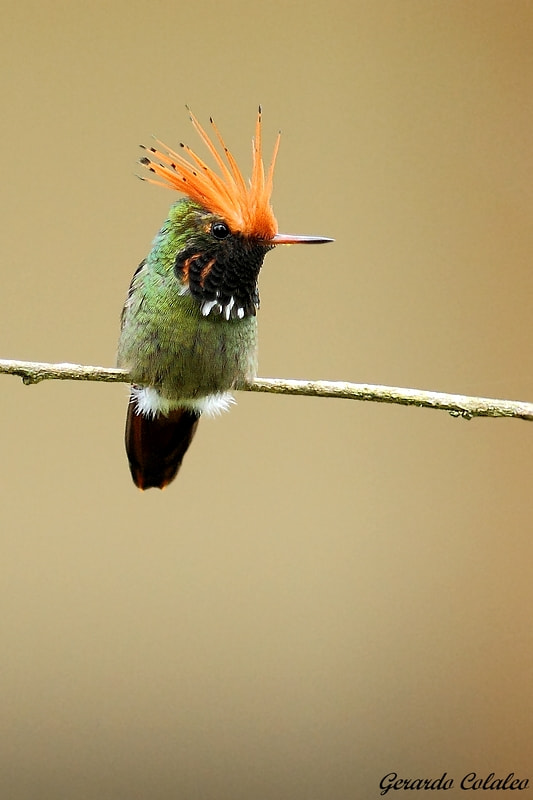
(457, 405)
(36, 371)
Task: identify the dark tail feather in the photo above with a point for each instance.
(156, 445)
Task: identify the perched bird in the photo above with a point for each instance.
(189, 326)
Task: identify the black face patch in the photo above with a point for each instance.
(223, 277)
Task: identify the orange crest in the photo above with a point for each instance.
(246, 209)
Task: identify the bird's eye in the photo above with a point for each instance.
(220, 230)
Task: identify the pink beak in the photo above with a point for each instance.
(287, 238)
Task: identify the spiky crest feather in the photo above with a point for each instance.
(245, 209)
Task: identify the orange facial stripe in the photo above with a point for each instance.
(187, 265)
(205, 271)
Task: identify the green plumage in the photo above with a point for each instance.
(166, 342)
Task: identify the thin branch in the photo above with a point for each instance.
(457, 405)
(36, 371)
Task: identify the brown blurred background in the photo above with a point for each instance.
(330, 591)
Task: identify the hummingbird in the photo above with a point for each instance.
(189, 325)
